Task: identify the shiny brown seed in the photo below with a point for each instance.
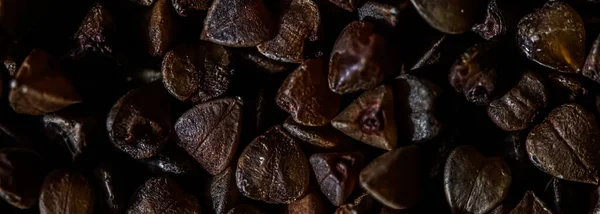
(187, 7)
(161, 28)
(140, 126)
(553, 36)
(95, 33)
(273, 168)
(416, 113)
(591, 69)
(66, 191)
(223, 191)
(197, 72)
(162, 195)
(311, 203)
(517, 109)
(305, 95)
(300, 22)
(474, 75)
(393, 178)
(448, 16)
(564, 144)
(40, 87)
(474, 183)
(21, 175)
(337, 173)
(322, 136)
(370, 119)
(238, 23)
(531, 204)
(494, 24)
(358, 60)
(210, 132)
(364, 204)
(388, 14)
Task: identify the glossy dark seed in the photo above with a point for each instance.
(305, 95)
(553, 36)
(358, 60)
(197, 72)
(494, 24)
(139, 126)
(299, 23)
(337, 173)
(475, 75)
(394, 177)
(474, 183)
(448, 16)
(161, 28)
(322, 136)
(210, 132)
(187, 7)
(162, 195)
(66, 191)
(238, 23)
(564, 144)
(311, 203)
(517, 109)
(531, 204)
(223, 191)
(591, 69)
(21, 175)
(370, 118)
(95, 33)
(40, 87)
(273, 168)
(416, 101)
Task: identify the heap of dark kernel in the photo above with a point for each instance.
(300, 106)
